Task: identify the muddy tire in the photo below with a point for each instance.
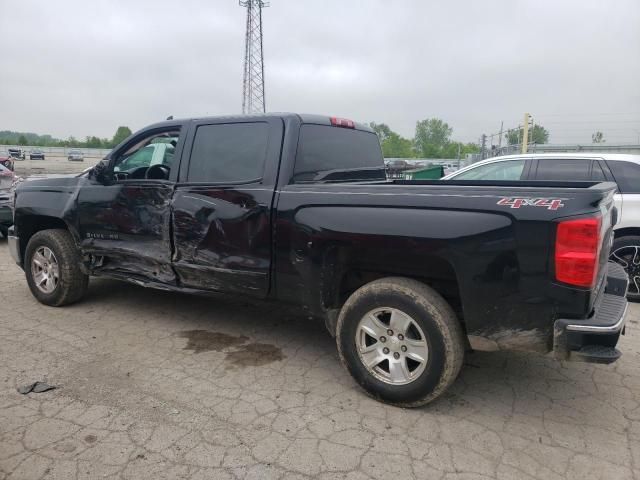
(401, 341)
(52, 268)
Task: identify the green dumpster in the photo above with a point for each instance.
(433, 172)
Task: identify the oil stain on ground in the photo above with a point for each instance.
(238, 353)
(205, 341)
(254, 355)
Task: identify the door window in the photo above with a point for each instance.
(154, 150)
(229, 153)
(560, 169)
(627, 175)
(506, 170)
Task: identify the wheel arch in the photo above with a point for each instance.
(29, 225)
(343, 279)
(626, 232)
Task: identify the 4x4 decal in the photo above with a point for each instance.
(517, 202)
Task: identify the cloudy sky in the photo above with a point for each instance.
(77, 67)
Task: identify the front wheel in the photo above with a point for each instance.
(626, 252)
(401, 341)
(52, 268)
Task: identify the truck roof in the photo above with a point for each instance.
(302, 117)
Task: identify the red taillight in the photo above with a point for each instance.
(577, 251)
(342, 122)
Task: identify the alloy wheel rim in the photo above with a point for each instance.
(45, 270)
(629, 258)
(392, 346)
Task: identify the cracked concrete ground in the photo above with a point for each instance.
(157, 385)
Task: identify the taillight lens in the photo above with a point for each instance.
(577, 251)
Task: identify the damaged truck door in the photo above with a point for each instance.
(124, 212)
(222, 205)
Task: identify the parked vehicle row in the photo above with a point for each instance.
(623, 169)
(297, 209)
(74, 155)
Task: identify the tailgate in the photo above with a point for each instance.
(609, 218)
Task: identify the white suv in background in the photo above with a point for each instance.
(623, 169)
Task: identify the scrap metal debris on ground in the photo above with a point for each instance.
(36, 387)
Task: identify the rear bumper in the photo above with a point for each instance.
(594, 339)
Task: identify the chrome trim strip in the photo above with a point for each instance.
(601, 329)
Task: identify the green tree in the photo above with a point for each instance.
(538, 134)
(22, 140)
(396, 146)
(382, 130)
(597, 137)
(93, 142)
(120, 135)
(432, 136)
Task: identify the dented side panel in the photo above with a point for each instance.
(223, 238)
(129, 225)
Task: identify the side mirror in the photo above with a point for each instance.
(100, 173)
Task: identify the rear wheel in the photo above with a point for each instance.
(52, 268)
(400, 341)
(626, 252)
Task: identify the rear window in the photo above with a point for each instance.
(334, 154)
(627, 175)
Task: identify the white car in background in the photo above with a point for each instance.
(623, 169)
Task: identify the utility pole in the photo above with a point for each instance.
(500, 139)
(525, 133)
(484, 146)
(253, 81)
(458, 156)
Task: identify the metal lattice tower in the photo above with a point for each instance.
(253, 81)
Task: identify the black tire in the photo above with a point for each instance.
(622, 252)
(434, 316)
(4, 231)
(72, 283)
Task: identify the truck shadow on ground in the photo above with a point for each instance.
(264, 335)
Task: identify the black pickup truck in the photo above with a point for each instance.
(407, 276)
